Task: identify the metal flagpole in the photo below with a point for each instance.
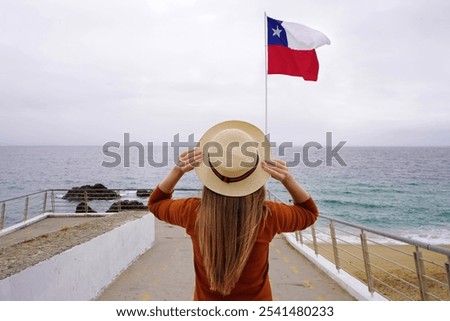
(265, 62)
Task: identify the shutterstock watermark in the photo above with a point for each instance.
(311, 154)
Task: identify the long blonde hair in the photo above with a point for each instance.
(227, 228)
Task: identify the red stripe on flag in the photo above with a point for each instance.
(286, 61)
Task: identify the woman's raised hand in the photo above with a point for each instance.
(276, 168)
(189, 159)
(279, 171)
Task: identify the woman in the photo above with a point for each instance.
(232, 224)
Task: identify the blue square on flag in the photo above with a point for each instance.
(276, 33)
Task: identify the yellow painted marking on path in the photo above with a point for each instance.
(285, 259)
(277, 251)
(145, 297)
(321, 298)
(156, 281)
(165, 267)
(294, 269)
(308, 284)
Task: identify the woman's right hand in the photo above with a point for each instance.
(189, 159)
(186, 162)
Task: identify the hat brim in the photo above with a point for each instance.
(250, 184)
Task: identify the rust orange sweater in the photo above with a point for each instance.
(254, 282)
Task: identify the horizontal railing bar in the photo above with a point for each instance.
(344, 242)
(351, 254)
(393, 289)
(399, 250)
(434, 296)
(322, 239)
(356, 267)
(23, 196)
(346, 232)
(327, 249)
(92, 189)
(432, 263)
(324, 249)
(324, 232)
(395, 277)
(392, 262)
(115, 189)
(435, 281)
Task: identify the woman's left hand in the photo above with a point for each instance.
(276, 168)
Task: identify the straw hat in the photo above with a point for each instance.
(232, 155)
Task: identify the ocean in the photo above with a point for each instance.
(402, 190)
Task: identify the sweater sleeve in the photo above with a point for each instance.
(290, 218)
(179, 212)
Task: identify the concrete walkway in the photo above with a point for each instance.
(165, 272)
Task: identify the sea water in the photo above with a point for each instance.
(396, 189)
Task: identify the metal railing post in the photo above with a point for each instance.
(2, 215)
(365, 250)
(420, 270)
(52, 196)
(335, 248)
(86, 202)
(45, 203)
(447, 270)
(25, 211)
(315, 246)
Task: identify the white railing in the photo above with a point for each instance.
(20, 211)
(396, 267)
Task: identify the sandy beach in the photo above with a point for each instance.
(393, 266)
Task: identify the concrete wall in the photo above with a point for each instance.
(81, 272)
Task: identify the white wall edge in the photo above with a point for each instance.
(82, 272)
(17, 226)
(349, 283)
(21, 225)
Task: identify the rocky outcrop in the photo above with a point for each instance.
(95, 192)
(84, 208)
(127, 205)
(143, 192)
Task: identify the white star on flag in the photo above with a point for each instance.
(277, 32)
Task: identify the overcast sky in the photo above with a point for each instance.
(84, 72)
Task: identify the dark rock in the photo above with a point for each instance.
(84, 208)
(143, 192)
(127, 205)
(95, 192)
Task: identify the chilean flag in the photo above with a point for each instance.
(291, 49)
